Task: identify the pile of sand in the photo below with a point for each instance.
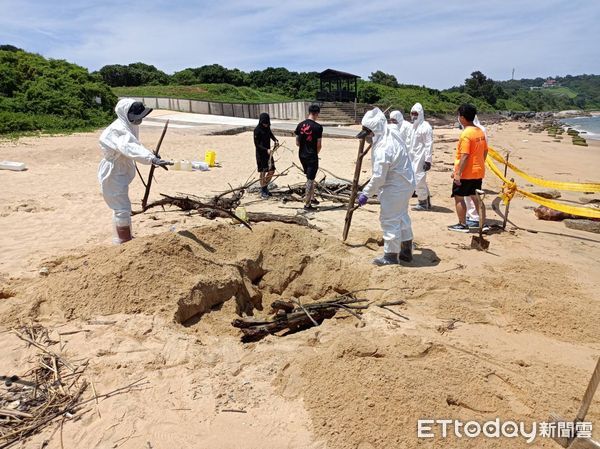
(187, 273)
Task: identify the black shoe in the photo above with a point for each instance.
(422, 206)
(387, 259)
(459, 227)
(314, 201)
(309, 208)
(406, 251)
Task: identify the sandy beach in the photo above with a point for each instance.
(510, 333)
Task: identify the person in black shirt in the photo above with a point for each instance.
(262, 141)
(308, 140)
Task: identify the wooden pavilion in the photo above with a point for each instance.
(337, 86)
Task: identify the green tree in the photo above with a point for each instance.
(386, 79)
(368, 93)
(49, 94)
(135, 74)
(480, 86)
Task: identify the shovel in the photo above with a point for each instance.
(477, 241)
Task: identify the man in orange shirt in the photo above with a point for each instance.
(469, 165)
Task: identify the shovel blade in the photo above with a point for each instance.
(479, 243)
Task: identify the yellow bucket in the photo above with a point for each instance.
(210, 158)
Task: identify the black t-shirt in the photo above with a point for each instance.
(262, 138)
(308, 132)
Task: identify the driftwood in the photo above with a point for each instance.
(50, 390)
(148, 184)
(292, 316)
(53, 390)
(190, 203)
(211, 211)
(362, 152)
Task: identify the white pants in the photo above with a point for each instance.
(115, 190)
(472, 214)
(394, 218)
(422, 190)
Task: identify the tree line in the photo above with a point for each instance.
(579, 92)
(49, 94)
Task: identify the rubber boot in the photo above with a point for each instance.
(387, 259)
(406, 251)
(123, 234)
(428, 203)
(422, 206)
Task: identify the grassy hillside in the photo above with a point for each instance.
(573, 92)
(434, 101)
(39, 94)
(209, 92)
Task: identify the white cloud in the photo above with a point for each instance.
(426, 42)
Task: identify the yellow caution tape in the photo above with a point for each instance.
(510, 188)
(570, 186)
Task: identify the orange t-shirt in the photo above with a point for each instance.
(472, 142)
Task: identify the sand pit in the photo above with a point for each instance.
(185, 274)
(511, 333)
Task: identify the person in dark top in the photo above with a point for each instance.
(308, 140)
(264, 161)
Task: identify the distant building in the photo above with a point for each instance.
(550, 83)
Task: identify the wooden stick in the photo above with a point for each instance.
(7, 412)
(506, 210)
(39, 346)
(351, 207)
(152, 167)
(95, 397)
(589, 393)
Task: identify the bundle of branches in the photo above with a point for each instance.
(210, 211)
(292, 316)
(336, 189)
(50, 390)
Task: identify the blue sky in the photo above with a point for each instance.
(424, 42)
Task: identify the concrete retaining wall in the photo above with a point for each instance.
(293, 110)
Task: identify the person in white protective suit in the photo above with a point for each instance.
(121, 149)
(403, 126)
(420, 149)
(472, 212)
(393, 182)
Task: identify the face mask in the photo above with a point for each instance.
(414, 118)
(137, 122)
(459, 123)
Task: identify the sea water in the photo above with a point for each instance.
(590, 125)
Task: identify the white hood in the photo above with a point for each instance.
(421, 118)
(397, 115)
(122, 108)
(375, 120)
(478, 124)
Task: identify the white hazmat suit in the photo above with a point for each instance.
(393, 181)
(403, 126)
(421, 152)
(120, 147)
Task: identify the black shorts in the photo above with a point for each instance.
(310, 166)
(467, 187)
(264, 162)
